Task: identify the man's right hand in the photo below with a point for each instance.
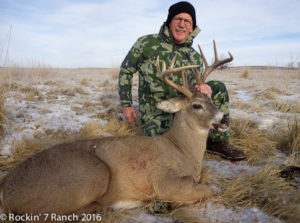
(129, 114)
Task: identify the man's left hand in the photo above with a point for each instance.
(204, 89)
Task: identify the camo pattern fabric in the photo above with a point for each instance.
(142, 59)
(221, 99)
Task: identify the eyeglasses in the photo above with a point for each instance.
(187, 22)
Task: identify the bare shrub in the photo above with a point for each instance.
(85, 81)
(245, 74)
(292, 64)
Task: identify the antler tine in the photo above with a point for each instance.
(164, 72)
(164, 66)
(197, 76)
(157, 65)
(184, 79)
(215, 65)
(215, 51)
(203, 57)
(173, 61)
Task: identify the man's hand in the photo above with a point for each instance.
(129, 114)
(204, 89)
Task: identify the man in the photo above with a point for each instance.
(175, 37)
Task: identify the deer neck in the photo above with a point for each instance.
(190, 139)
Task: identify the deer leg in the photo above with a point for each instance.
(181, 190)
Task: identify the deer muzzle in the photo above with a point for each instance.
(221, 122)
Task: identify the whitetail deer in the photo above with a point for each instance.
(121, 172)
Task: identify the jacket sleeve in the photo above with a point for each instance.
(128, 67)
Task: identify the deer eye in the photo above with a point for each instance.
(197, 106)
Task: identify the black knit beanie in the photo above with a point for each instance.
(180, 7)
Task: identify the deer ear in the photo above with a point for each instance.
(171, 105)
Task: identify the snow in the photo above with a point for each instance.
(291, 97)
(216, 213)
(228, 169)
(244, 95)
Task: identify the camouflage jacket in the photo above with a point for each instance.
(142, 59)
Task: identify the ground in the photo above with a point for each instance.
(44, 106)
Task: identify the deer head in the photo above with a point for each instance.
(199, 106)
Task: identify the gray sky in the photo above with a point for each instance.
(91, 33)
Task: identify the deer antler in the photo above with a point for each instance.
(164, 72)
(211, 68)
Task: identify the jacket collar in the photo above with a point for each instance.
(166, 35)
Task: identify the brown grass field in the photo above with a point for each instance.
(43, 106)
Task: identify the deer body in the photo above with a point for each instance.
(165, 167)
(120, 172)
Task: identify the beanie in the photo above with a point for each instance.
(180, 7)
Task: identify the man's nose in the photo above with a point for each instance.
(181, 23)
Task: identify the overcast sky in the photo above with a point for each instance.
(99, 33)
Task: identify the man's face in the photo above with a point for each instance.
(181, 26)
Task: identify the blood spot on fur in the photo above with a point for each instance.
(137, 164)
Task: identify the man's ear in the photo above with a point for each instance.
(172, 105)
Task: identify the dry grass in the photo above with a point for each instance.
(256, 143)
(21, 150)
(269, 93)
(265, 190)
(118, 127)
(2, 108)
(13, 71)
(284, 107)
(250, 106)
(39, 70)
(109, 113)
(114, 73)
(32, 74)
(289, 140)
(85, 81)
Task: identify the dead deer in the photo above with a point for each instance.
(122, 172)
